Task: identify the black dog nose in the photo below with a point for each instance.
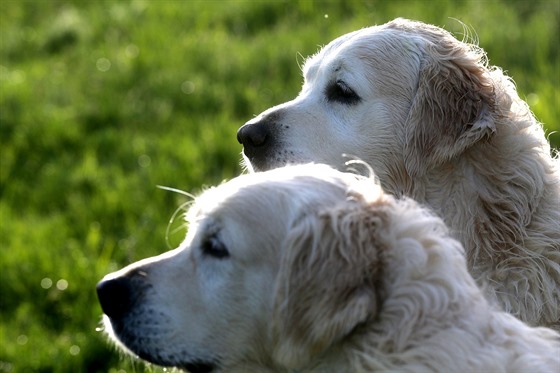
(253, 134)
(115, 296)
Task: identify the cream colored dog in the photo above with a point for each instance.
(308, 269)
(437, 124)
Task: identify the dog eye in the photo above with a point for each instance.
(212, 246)
(339, 91)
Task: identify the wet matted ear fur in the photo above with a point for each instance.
(454, 105)
(327, 281)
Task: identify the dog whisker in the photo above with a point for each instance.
(179, 191)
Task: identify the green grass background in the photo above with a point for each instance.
(100, 101)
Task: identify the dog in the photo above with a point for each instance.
(309, 269)
(439, 125)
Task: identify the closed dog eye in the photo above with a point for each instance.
(339, 91)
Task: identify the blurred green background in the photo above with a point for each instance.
(100, 101)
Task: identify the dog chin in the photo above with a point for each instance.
(246, 165)
(198, 367)
(192, 366)
(129, 344)
(252, 165)
(261, 164)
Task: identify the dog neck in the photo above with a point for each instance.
(501, 200)
(502, 191)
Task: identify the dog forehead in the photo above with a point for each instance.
(280, 191)
(344, 53)
(327, 54)
(245, 199)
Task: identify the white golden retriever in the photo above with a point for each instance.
(308, 269)
(437, 124)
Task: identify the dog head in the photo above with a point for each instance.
(404, 97)
(275, 269)
(278, 270)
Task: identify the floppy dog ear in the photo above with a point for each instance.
(325, 288)
(454, 104)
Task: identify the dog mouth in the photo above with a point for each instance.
(191, 366)
(272, 158)
(146, 348)
(198, 366)
(257, 164)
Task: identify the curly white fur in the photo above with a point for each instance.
(440, 125)
(308, 269)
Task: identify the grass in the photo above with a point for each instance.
(100, 101)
